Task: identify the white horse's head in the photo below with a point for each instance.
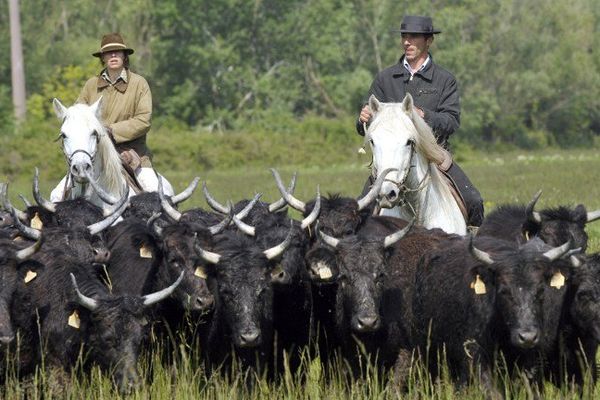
(398, 136)
(88, 149)
(80, 132)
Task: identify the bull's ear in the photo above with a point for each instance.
(279, 275)
(59, 109)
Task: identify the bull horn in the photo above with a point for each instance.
(394, 237)
(22, 216)
(108, 221)
(479, 255)
(27, 252)
(187, 192)
(531, 214)
(102, 194)
(215, 205)
(314, 214)
(374, 192)
(25, 201)
(208, 256)
(291, 200)
(244, 227)
(592, 216)
(558, 252)
(276, 251)
(48, 205)
(220, 227)
(107, 212)
(152, 223)
(87, 302)
(575, 262)
(279, 204)
(330, 240)
(169, 209)
(30, 233)
(244, 213)
(155, 297)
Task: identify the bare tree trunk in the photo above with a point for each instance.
(16, 57)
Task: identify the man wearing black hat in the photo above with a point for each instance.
(435, 94)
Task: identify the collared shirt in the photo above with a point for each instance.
(409, 68)
(123, 76)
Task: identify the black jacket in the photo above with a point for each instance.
(433, 89)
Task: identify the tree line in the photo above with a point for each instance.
(528, 70)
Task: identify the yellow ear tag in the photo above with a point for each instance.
(29, 276)
(324, 271)
(36, 222)
(74, 320)
(200, 272)
(362, 151)
(145, 252)
(558, 280)
(478, 286)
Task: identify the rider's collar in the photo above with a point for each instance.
(121, 83)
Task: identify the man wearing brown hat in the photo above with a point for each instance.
(126, 111)
(435, 94)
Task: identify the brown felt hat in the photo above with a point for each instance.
(112, 42)
(417, 24)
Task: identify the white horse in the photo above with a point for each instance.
(94, 166)
(399, 138)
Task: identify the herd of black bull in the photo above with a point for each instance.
(74, 283)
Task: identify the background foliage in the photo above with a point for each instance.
(261, 70)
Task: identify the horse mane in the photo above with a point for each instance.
(425, 140)
(112, 179)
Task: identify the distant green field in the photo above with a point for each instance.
(566, 178)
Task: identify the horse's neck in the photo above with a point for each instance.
(434, 204)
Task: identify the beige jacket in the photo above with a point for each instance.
(126, 109)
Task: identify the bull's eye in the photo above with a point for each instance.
(410, 142)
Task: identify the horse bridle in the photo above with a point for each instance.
(69, 158)
(400, 185)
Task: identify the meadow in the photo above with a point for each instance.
(567, 177)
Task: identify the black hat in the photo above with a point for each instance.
(417, 24)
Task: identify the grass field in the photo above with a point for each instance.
(566, 178)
